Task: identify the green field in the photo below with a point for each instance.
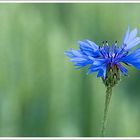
(41, 94)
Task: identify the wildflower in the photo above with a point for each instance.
(107, 60)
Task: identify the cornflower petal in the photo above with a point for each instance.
(133, 59)
(123, 69)
(102, 72)
(89, 48)
(130, 40)
(133, 43)
(132, 35)
(126, 35)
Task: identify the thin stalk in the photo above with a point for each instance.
(107, 101)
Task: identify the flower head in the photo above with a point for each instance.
(107, 60)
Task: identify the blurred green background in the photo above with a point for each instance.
(41, 94)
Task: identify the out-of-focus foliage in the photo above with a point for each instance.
(41, 94)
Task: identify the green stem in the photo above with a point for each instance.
(107, 101)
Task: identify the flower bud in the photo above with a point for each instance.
(112, 76)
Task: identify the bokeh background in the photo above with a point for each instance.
(41, 94)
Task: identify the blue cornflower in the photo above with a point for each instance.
(107, 60)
